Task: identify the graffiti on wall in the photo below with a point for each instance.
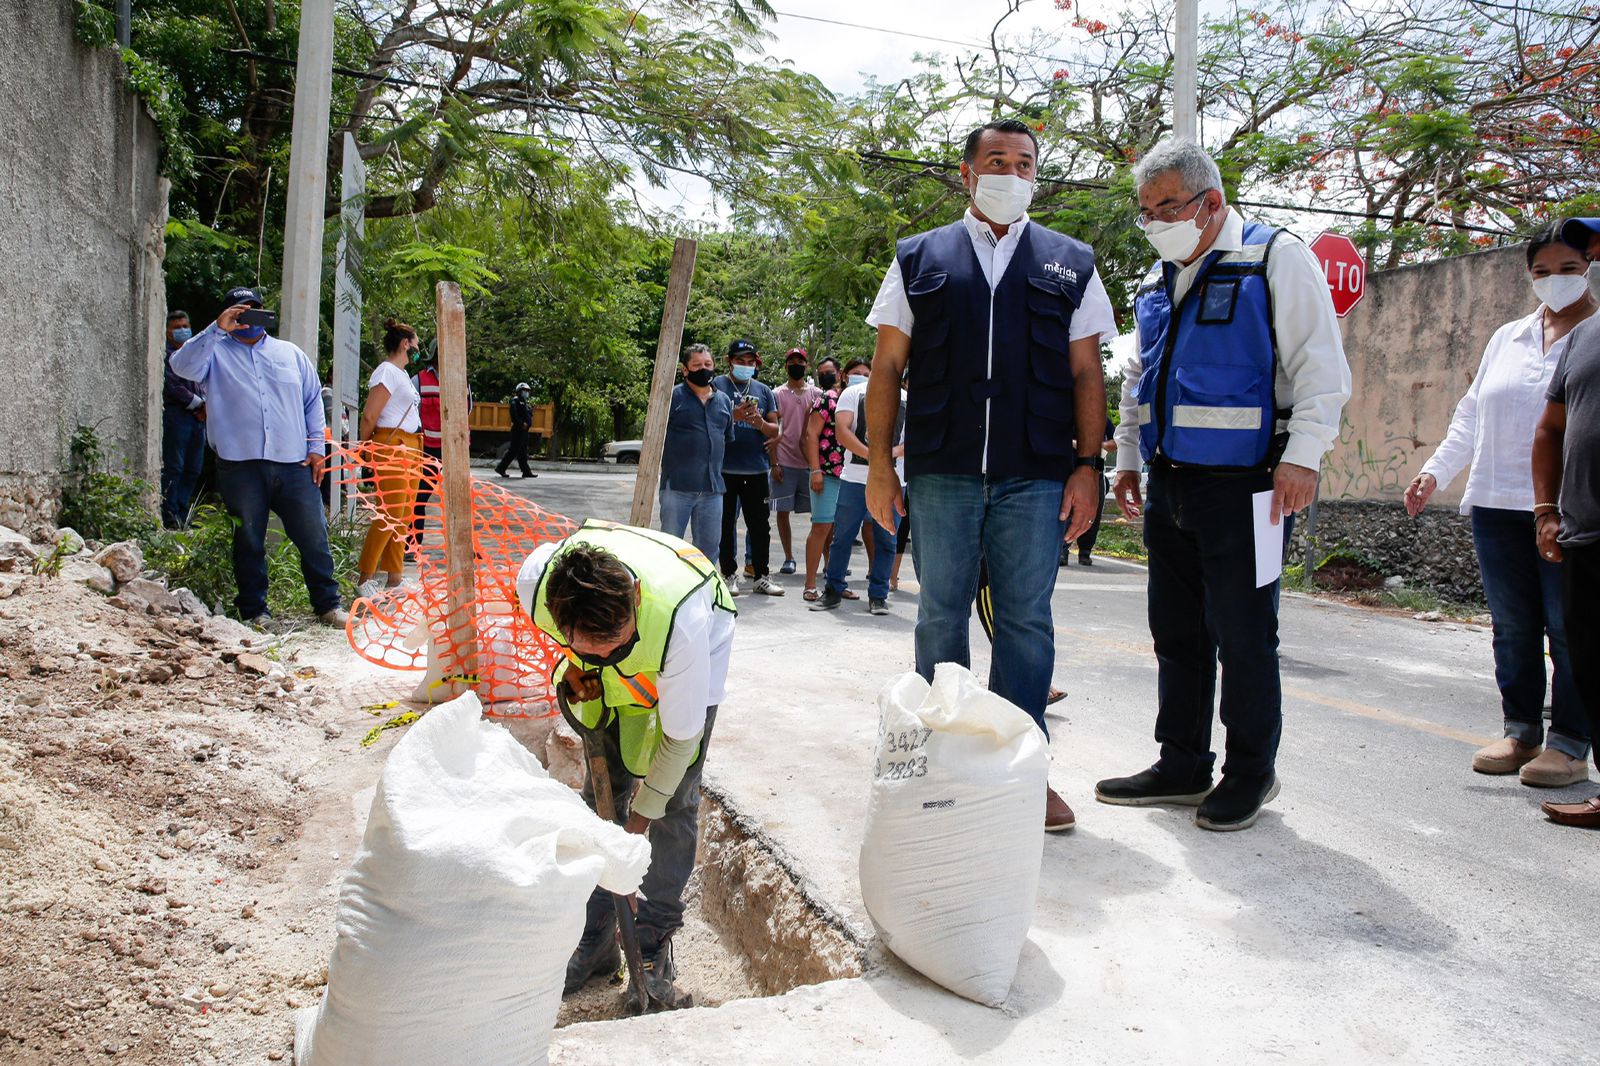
(1364, 467)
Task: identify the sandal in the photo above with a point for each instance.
(848, 595)
(811, 595)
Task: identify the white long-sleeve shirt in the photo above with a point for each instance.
(1492, 428)
(695, 675)
(1313, 377)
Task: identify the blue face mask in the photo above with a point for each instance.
(743, 373)
(182, 334)
(858, 379)
(248, 333)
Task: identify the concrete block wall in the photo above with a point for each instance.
(83, 210)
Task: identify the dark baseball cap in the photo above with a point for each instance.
(1579, 231)
(741, 347)
(792, 352)
(242, 295)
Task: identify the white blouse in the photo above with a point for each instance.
(404, 409)
(1493, 426)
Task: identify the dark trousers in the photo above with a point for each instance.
(673, 838)
(746, 493)
(1580, 573)
(431, 472)
(183, 454)
(254, 487)
(1086, 542)
(1204, 607)
(516, 451)
(1524, 594)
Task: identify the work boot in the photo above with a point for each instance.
(659, 973)
(597, 954)
(334, 616)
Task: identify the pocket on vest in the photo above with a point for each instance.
(930, 350)
(1217, 415)
(1047, 296)
(927, 413)
(1047, 353)
(1050, 421)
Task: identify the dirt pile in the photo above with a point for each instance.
(148, 800)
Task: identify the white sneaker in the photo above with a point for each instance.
(371, 589)
(732, 581)
(765, 587)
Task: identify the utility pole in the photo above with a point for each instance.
(1185, 60)
(124, 23)
(308, 178)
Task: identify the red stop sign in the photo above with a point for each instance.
(1345, 269)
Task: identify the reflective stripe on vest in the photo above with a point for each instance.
(1206, 391)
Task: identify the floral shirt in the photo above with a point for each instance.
(829, 450)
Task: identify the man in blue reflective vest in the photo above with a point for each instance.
(1002, 366)
(1236, 390)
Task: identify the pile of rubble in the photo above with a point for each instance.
(115, 569)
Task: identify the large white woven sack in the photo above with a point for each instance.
(955, 830)
(463, 906)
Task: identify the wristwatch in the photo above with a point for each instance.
(1088, 460)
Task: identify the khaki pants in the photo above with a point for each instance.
(397, 471)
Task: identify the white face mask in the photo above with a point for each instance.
(1176, 241)
(1560, 291)
(1002, 198)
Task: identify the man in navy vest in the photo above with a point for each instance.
(1236, 391)
(1001, 368)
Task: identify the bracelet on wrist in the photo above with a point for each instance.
(1546, 507)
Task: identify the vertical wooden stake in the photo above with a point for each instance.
(461, 619)
(655, 421)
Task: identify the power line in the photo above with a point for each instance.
(984, 47)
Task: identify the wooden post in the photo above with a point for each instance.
(461, 620)
(655, 421)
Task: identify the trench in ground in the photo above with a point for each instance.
(751, 926)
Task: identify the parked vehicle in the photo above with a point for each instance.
(623, 451)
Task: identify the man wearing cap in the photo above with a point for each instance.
(183, 430)
(791, 476)
(266, 426)
(745, 465)
(1566, 491)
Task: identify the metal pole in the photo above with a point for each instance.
(308, 178)
(1185, 60)
(124, 23)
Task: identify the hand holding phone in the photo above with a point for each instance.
(259, 316)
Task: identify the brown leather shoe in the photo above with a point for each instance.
(1555, 769)
(1504, 756)
(1058, 817)
(1585, 815)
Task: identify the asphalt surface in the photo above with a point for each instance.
(1391, 905)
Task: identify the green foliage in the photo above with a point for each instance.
(103, 504)
(150, 80)
(421, 265)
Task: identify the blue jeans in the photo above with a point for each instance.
(183, 453)
(1524, 594)
(697, 513)
(252, 488)
(1204, 606)
(1014, 524)
(849, 516)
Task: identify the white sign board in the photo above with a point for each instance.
(347, 302)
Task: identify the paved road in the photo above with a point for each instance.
(1388, 882)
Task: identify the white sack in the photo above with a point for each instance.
(955, 830)
(495, 636)
(463, 906)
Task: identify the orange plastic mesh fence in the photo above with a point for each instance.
(396, 626)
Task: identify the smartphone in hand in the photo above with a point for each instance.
(259, 316)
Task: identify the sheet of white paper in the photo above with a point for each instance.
(1269, 541)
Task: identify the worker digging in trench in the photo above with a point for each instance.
(645, 623)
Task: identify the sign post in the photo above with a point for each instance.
(1344, 268)
(347, 306)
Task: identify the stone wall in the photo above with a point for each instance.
(82, 215)
(1432, 551)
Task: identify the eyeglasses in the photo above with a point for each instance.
(1166, 214)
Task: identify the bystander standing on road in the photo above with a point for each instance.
(1492, 430)
(699, 430)
(1237, 390)
(426, 382)
(745, 467)
(267, 428)
(183, 430)
(851, 516)
(1002, 365)
(521, 423)
(1085, 543)
(1566, 490)
(391, 424)
(790, 475)
(825, 460)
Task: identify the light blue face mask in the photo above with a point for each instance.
(743, 373)
(858, 379)
(182, 334)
